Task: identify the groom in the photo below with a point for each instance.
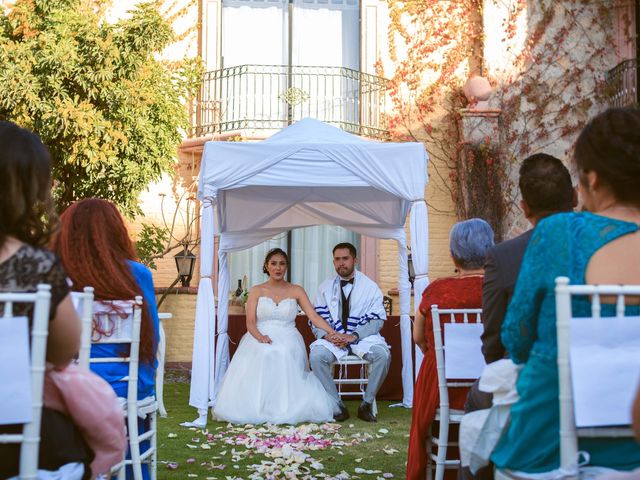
(352, 304)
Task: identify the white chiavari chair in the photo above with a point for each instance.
(444, 415)
(30, 436)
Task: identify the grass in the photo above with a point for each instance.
(365, 445)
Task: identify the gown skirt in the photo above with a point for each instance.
(272, 383)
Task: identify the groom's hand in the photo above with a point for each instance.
(336, 339)
(341, 340)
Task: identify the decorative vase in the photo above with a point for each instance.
(477, 90)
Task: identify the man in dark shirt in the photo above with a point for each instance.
(546, 188)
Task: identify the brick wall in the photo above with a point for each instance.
(179, 329)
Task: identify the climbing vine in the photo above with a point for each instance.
(547, 81)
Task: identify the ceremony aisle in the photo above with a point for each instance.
(350, 450)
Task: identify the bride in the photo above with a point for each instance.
(268, 379)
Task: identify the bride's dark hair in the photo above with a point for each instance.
(271, 253)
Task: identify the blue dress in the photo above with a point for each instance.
(561, 245)
(114, 372)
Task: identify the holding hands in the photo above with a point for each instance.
(340, 340)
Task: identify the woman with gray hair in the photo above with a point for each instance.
(468, 244)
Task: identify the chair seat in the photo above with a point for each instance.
(145, 406)
(352, 360)
(455, 415)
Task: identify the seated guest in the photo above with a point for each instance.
(96, 250)
(468, 243)
(26, 222)
(546, 188)
(600, 246)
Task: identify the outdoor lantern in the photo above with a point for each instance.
(412, 272)
(185, 261)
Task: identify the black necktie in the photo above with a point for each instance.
(345, 303)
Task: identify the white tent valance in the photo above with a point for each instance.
(307, 174)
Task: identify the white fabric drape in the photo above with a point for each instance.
(383, 181)
(404, 287)
(254, 32)
(202, 364)
(222, 338)
(337, 24)
(311, 256)
(419, 227)
(249, 262)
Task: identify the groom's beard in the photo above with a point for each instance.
(345, 272)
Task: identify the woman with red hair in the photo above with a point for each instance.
(96, 251)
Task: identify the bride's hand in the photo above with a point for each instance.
(264, 339)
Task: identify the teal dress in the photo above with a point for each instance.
(561, 245)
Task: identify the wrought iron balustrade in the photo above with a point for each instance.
(273, 96)
(622, 84)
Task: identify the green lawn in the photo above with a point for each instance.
(353, 449)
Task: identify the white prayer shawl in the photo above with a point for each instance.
(365, 304)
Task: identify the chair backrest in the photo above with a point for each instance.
(119, 321)
(472, 319)
(83, 303)
(595, 356)
(30, 437)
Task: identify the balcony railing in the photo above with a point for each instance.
(622, 84)
(263, 97)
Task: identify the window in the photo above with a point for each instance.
(301, 33)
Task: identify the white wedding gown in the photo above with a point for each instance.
(272, 382)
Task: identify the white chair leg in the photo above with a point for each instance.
(134, 446)
(162, 345)
(443, 441)
(153, 466)
(429, 460)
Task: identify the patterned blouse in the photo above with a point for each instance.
(28, 267)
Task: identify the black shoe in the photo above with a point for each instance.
(342, 416)
(365, 412)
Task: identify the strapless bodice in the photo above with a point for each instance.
(272, 313)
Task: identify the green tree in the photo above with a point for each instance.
(111, 113)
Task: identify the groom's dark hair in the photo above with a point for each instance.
(348, 246)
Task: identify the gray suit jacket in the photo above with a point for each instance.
(500, 274)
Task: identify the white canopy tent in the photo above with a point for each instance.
(307, 174)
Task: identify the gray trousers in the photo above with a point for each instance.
(322, 359)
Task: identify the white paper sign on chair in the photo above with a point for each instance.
(463, 350)
(15, 376)
(607, 350)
